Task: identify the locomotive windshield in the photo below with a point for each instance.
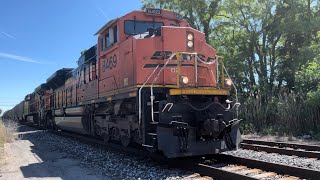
(132, 27)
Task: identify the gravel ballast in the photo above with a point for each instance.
(102, 161)
(308, 163)
(117, 165)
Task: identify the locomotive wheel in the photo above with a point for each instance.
(45, 124)
(97, 131)
(106, 137)
(152, 149)
(125, 141)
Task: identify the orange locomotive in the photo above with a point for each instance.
(151, 80)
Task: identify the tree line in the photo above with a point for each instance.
(272, 51)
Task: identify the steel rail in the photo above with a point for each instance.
(283, 144)
(290, 152)
(274, 167)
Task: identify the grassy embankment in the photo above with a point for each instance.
(284, 114)
(2, 139)
(7, 132)
(2, 134)
(6, 135)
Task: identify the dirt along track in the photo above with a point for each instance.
(26, 158)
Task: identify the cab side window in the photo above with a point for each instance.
(110, 38)
(115, 32)
(107, 40)
(101, 44)
(92, 75)
(84, 75)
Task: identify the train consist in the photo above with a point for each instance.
(151, 80)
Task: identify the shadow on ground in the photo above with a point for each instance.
(47, 163)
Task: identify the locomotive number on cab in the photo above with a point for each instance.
(109, 63)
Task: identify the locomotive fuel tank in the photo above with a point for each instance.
(73, 119)
(76, 124)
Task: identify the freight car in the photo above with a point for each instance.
(151, 80)
(16, 113)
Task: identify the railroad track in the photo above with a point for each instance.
(291, 149)
(230, 167)
(216, 166)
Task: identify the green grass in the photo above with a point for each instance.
(286, 113)
(2, 134)
(2, 140)
(7, 132)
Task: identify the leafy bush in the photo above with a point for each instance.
(7, 132)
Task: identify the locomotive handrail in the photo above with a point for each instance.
(217, 71)
(168, 104)
(237, 104)
(234, 86)
(154, 80)
(178, 64)
(178, 54)
(141, 89)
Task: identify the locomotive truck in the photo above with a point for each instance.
(151, 80)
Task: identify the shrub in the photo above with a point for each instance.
(284, 113)
(7, 131)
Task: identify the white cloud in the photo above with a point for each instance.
(8, 35)
(102, 12)
(20, 58)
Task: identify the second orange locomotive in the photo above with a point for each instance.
(150, 80)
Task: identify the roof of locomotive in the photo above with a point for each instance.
(164, 13)
(87, 55)
(106, 26)
(57, 79)
(43, 86)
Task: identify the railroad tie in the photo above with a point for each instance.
(289, 178)
(250, 171)
(234, 168)
(264, 175)
(195, 175)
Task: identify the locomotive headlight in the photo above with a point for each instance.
(190, 41)
(190, 37)
(184, 79)
(228, 82)
(190, 44)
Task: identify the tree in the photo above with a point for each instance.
(199, 13)
(300, 24)
(265, 42)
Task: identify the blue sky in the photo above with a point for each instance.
(39, 37)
